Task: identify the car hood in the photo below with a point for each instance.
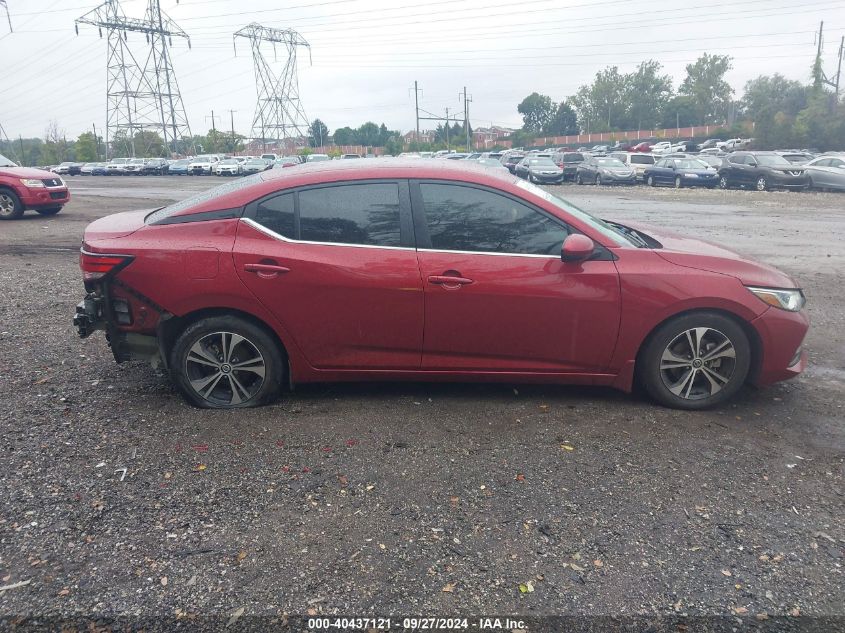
(26, 172)
(702, 255)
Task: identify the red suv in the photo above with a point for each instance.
(398, 270)
(23, 188)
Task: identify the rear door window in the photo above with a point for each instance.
(366, 214)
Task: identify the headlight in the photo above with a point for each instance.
(690, 175)
(31, 183)
(791, 300)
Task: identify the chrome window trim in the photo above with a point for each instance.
(270, 233)
(273, 234)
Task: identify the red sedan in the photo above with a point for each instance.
(23, 188)
(399, 270)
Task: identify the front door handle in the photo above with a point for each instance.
(266, 271)
(449, 280)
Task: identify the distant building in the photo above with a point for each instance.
(426, 136)
(487, 136)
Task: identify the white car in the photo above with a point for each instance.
(134, 166)
(713, 151)
(638, 161)
(229, 167)
(203, 165)
(116, 166)
(663, 147)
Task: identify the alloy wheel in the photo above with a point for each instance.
(225, 368)
(7, 205)
(651, 181)
(762, 185)
(698, 363)
(678, 182)
(598, 179)
(723, 182)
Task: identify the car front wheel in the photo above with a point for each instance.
(695, 361)
(762, 185)
(579, 180)
(723, 182)
(10, 205)
(227, 363)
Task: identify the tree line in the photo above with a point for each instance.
(783, 112)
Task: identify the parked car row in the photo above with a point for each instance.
(760, 170)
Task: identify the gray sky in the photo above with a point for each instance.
(367, 53)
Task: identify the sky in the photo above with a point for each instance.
(366, 54)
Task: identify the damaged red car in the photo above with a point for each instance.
(427, 271)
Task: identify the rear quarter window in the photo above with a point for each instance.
(177, 207)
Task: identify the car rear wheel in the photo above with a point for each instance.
(227, 363)
(579, 180)
(695, 361)
(50, 211)
(598, 179)
(651, 182)
(762, 185)
(10, 205)
(678, 182)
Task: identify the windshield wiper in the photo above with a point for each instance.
(629, 233)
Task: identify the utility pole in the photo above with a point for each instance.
(467, 100)
(96, 140)
(232, 120)
(20, 138)
(8, 17)
(447, 128)
(839, 68)
(417, 91)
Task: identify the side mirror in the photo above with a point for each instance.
(576, 248)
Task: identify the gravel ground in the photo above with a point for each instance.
(121, 500)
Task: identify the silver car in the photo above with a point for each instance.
(826, 172)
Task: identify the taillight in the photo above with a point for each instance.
(96, 266)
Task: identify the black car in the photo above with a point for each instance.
(603, 170)
(511, 160)
(155, 167)
(762, 171)
(539, 169)
(568, 162)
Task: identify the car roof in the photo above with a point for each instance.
(265, 183)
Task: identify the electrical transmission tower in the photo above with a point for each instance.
(142, 93)
(279, 115)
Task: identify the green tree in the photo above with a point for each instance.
(368, 134)
(647, 93)
(564, 121)
(537, 112)
(680, 111)
(345, 136)
(705, 84)
(770, 94)
(318, 133)
(394, 145)
(87, 148)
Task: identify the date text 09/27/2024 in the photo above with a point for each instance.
(414, 624)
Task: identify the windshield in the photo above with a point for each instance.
(691, 164)
(615, 235)
(610, 162)
(573, 158)
(230, 161)
(5, 162)
(772, 160)
(541, 162)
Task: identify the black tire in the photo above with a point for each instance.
(210, 334)
(50, 211)
(598, 179)
(724, 183)
(678, 182)
(11, 207)
(762, 184)
(671, 338)
(651, 181)
(578, 179)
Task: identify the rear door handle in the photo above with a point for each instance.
(266, 271)
(448, 280)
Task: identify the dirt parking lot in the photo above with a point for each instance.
(418, 499)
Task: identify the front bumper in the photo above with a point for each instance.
(782, 338)
(44, 197)
(701, 181)
(546, 177)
